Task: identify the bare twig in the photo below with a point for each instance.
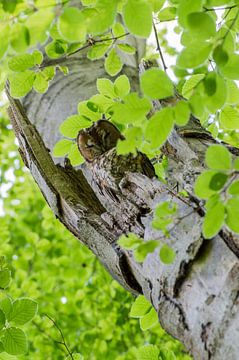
(63, 342)
(230, 27)
(220, 9)
(159, 48)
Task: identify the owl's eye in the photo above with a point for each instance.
(89, 144)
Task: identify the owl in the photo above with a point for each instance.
(97, 144)
(98, 139)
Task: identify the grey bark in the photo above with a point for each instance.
(196, 297)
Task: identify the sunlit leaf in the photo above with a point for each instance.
(156, 84)
(14, 341)
(213, 220)
(218, 157)
(113, 63)
(137, 16)
(232, 214)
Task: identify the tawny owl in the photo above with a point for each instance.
(97, 145)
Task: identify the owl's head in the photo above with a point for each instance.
(97, 139)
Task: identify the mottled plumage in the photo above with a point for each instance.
(97, 145)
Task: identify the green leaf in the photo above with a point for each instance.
(98, 51)
(181, 113)
(40, 83)
(234, 188)
(9, 5)
(118, 30)
(92, 106)
(127, 48)
(144, 249)
(218, 158)
(62, 148)
(84, 110)
(137, 16)
(231, 70)
(38, 23)
(185, 8)
(220, 56)
(5, 278)
(4, 38)
(157, 4)
(232, 209)
(213, 220)
(6, 305)
(236, 164)
(23, 310)
(21, 83)
(232, 93)
(148, 352)
(201, 25)
(132, 111)
(156, 84)
(103, 103)
(72, 125)
(122, 86)
(71, 24)
(132, 141)
(129, 241)
(191, 84)
(215, 91)
(21, 62)
(194, 55)
(140, 307)
(167, 14)
(37, 56)
(2, 319)
(202, 184)
(218, 181)
(106, 87)
(75, 156)
(14, 341)
(104, 16)
(167, 254)
(56, 48)
(20, 37)
(149, 320)
(113, 63)
(229, 118)
(165, 208)
(159, 127)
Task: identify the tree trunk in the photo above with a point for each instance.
(196, 297)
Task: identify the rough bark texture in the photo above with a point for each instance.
(197, 297)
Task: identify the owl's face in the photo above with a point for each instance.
(97, 139)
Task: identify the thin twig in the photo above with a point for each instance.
(159, 48)
(90, 42)
(230, 27)
(220, 9)
(62, 336)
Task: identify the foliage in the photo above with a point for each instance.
(13, 339)
(73, 291)
(219, 187)
(164, 216)
(204, 73)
